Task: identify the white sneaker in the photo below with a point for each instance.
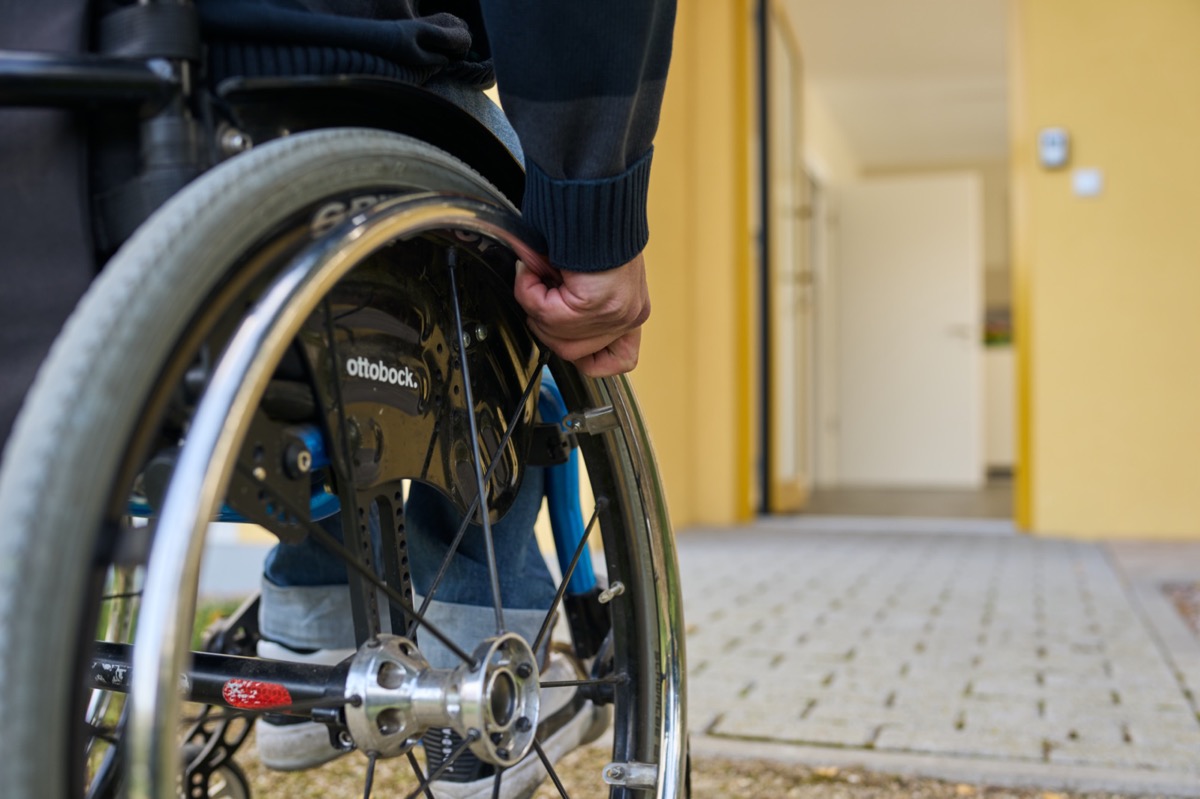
(292, 744)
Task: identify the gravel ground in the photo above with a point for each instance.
(712, 778)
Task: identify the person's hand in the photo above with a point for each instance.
(592, 319)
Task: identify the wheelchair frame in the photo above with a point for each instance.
(146, 69)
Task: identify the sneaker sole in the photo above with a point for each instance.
(293, 747)
(520, 781)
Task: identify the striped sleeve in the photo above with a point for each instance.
(582, 82)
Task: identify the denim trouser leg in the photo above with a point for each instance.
(432, 520)
(306, 603)
(308, 563)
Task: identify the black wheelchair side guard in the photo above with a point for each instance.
(266, 108)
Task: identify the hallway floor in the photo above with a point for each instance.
(993, 501)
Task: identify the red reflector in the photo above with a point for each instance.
(253, 694)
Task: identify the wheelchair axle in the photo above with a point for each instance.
(238, 683)
(380, 700)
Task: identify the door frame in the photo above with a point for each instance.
(783, 492)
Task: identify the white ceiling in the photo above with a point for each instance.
(910, 82)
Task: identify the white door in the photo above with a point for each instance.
(909, 343)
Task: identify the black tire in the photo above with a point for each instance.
(110, 393)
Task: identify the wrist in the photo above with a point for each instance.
(590, 225)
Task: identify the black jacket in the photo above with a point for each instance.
(581, 80)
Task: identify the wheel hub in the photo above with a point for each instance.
(493, 702)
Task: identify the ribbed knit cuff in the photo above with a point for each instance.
(590, 225)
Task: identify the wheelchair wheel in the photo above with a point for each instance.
(320, 321)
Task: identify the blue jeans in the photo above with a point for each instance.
(431, 522)
(305, 597)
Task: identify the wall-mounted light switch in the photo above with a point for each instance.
(1087, 182)
(1054, 147)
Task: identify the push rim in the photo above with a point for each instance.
(236, 386)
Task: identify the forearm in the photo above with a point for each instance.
(582, 84)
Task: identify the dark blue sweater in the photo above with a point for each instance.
(581, 80)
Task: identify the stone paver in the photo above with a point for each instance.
(991, 646)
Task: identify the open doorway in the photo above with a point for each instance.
(910, 408)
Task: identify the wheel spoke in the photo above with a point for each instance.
(472, 426)
(420, 775)
(466, 522)
(336, 547)
(106, 734)
(615, 679)
(601, 503)
(496, 784)
(371, 758)
(127, 595)
(104, 780)
(537, 747)
(446, 764)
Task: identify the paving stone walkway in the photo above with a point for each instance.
(988, 645)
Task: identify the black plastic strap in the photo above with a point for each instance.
(159, 30)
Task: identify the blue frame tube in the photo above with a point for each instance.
(562, 497)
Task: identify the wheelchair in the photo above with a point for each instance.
(310, 309)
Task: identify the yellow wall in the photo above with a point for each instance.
(1108, 288)
(694, 380)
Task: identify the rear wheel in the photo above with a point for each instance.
(305, 326)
